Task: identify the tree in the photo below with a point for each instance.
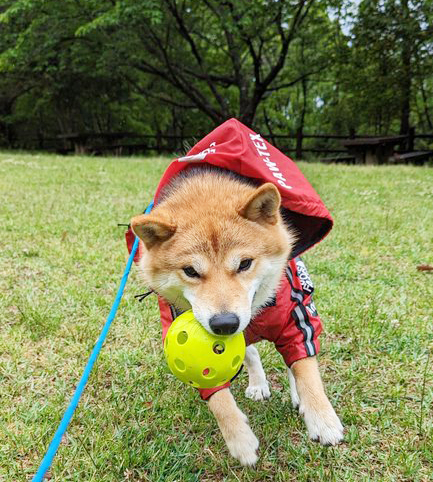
(53, 80)
(391, 41)
(183, 66)
(223, 57)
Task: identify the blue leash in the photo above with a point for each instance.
(54, 445)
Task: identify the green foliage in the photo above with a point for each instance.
(175, 66)
(388, 60)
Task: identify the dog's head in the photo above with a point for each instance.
(217, 248)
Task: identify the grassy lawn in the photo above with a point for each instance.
(61, 259)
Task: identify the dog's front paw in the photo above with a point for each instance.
(323, 426)
(243, 445)
(258, 392)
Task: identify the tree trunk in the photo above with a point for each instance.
(425, 102)
(300, 131)
(406, 80)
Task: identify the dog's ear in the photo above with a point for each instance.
(263, 205)
(151, 229)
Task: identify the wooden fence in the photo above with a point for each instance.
(127, 143)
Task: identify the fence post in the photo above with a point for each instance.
(299, 136)
(411, 139)
(158, 141)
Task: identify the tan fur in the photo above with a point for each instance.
(240, 439)
(322, 422)
(212, 222)
(152, 230)
(262, 205)
(308, 382)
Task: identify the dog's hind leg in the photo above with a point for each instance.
(322, 422)
(293, 391)
(258, 387)
(240, 439)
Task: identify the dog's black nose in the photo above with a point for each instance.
(224, 323)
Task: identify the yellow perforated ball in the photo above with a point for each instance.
(198, 358)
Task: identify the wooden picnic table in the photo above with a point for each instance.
(372, 150)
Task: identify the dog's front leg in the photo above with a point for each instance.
(240, 439)
(258, 386)
(322, 422)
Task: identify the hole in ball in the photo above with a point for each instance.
(180, 365)
(209, 372)
(182, 337)
(236, 361)
(218, 347)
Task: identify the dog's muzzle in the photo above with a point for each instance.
(224, 323)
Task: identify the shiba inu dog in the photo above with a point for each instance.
(226, 245)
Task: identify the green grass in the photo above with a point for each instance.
(62, 256)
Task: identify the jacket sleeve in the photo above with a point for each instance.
(299, 336)
(206, 393)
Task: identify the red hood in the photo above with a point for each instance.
(235, 147)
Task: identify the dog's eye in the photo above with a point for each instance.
(245, 264)
(191, 272)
